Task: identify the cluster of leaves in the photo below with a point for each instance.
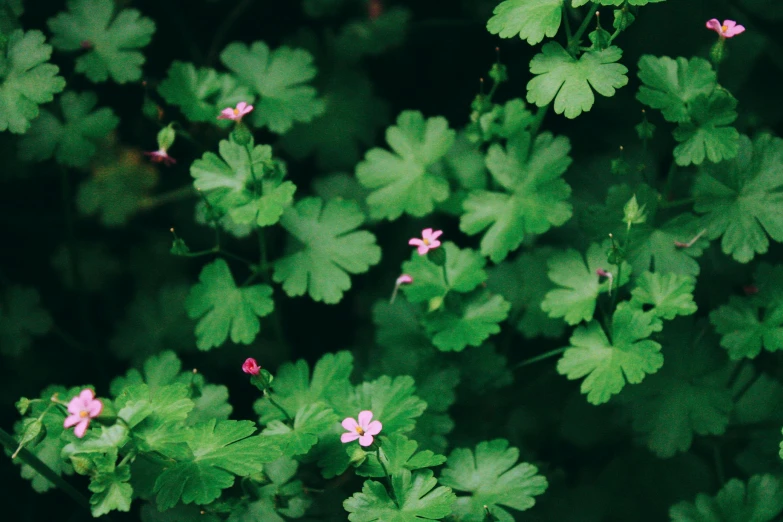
(617, 279)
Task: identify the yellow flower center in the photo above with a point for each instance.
(724, 28)
(359, 430)
(84, 414)
(236, 111)
(426, 242)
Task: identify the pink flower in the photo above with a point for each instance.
(81, 409)
(251, 366)
(235, 114)
(727, 29)
(428, 241)
(161, 156)
(362, 430)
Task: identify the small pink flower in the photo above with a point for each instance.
(251, 366)
(727, 29)
(428, 241)
(81, 409)
(161, 156)
(362, 430)
(236, 114)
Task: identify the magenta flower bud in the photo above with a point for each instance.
(250, 366)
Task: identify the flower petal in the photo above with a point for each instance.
(734, 31)
(729, 24)
(364, 418)
(349, 437)
(81, 428)
(415, 242)
(95, 408)
(436, 235)
(366, 439)
(714, 24)
(87, 395)
(434, 244)
(374, 428)
(423, 249)
(72, 420)
(426, 233)
(350, 424)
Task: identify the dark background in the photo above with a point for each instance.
(436, 71)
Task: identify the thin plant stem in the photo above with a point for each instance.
(537, 358)
(386, 474)
(277, 405)
(582, 28)
(38, 465)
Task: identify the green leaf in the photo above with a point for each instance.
(111, 490)
(669, 295)
(295, 389)
(477, 317)
(748, 325)
(110, 39)
(21, 319)
(392, 401)
(690, 395)
(708, 134)
(530, 19)
(760, 501)
(398, 327)
(464, 267)
(278, 496)
(398, 453)
(220, 451)
(26, 80)
(201, 93)
(280, 78)
(408, 180)
(505, 121)
(576, 301)
(568, 81)
(629, 356)
(494, 480)
(331, 248)
(222, 308)
(415, 498)
(72, 141)
(311, 421)
(741, 198)
(672, 85)
(349, 125)
(536, 197)
(524, 283)
(245, 182)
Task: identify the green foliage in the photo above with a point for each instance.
(708, 135)
(494, 480)
(667, 295)
(408, 180)
(415, 497)
(469, 323)
(688, 396)
(26, 79)
(222, 308)
(741, 199)
(576, 301)
(571, 82)
(21, 318)
(608, 364)
(672, 85)
(310, 422)
(110, 489)
(530, 19)
(761, 500)
(398, 454)
(110, 38)
(535, 198)
(244, 182)
(201, 93)
(219, 451)
(280, 79)
(71, 141)
(331, 248)
(392, 402)
(464, 268)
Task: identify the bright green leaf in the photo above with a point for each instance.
(464, 267)
(331, 248)
(568, 81)
(398, 453)
(668, 295)
(629, 356)
(408, 180)
(392, 402)
(311, 421)
(672, 85)
(110, 38)
(536, 197)
(530, 19)
(708, 135)
(222, 308)
(477, 317)
(111, 491)
(494, 479)
(745, 329)
(415, 499)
